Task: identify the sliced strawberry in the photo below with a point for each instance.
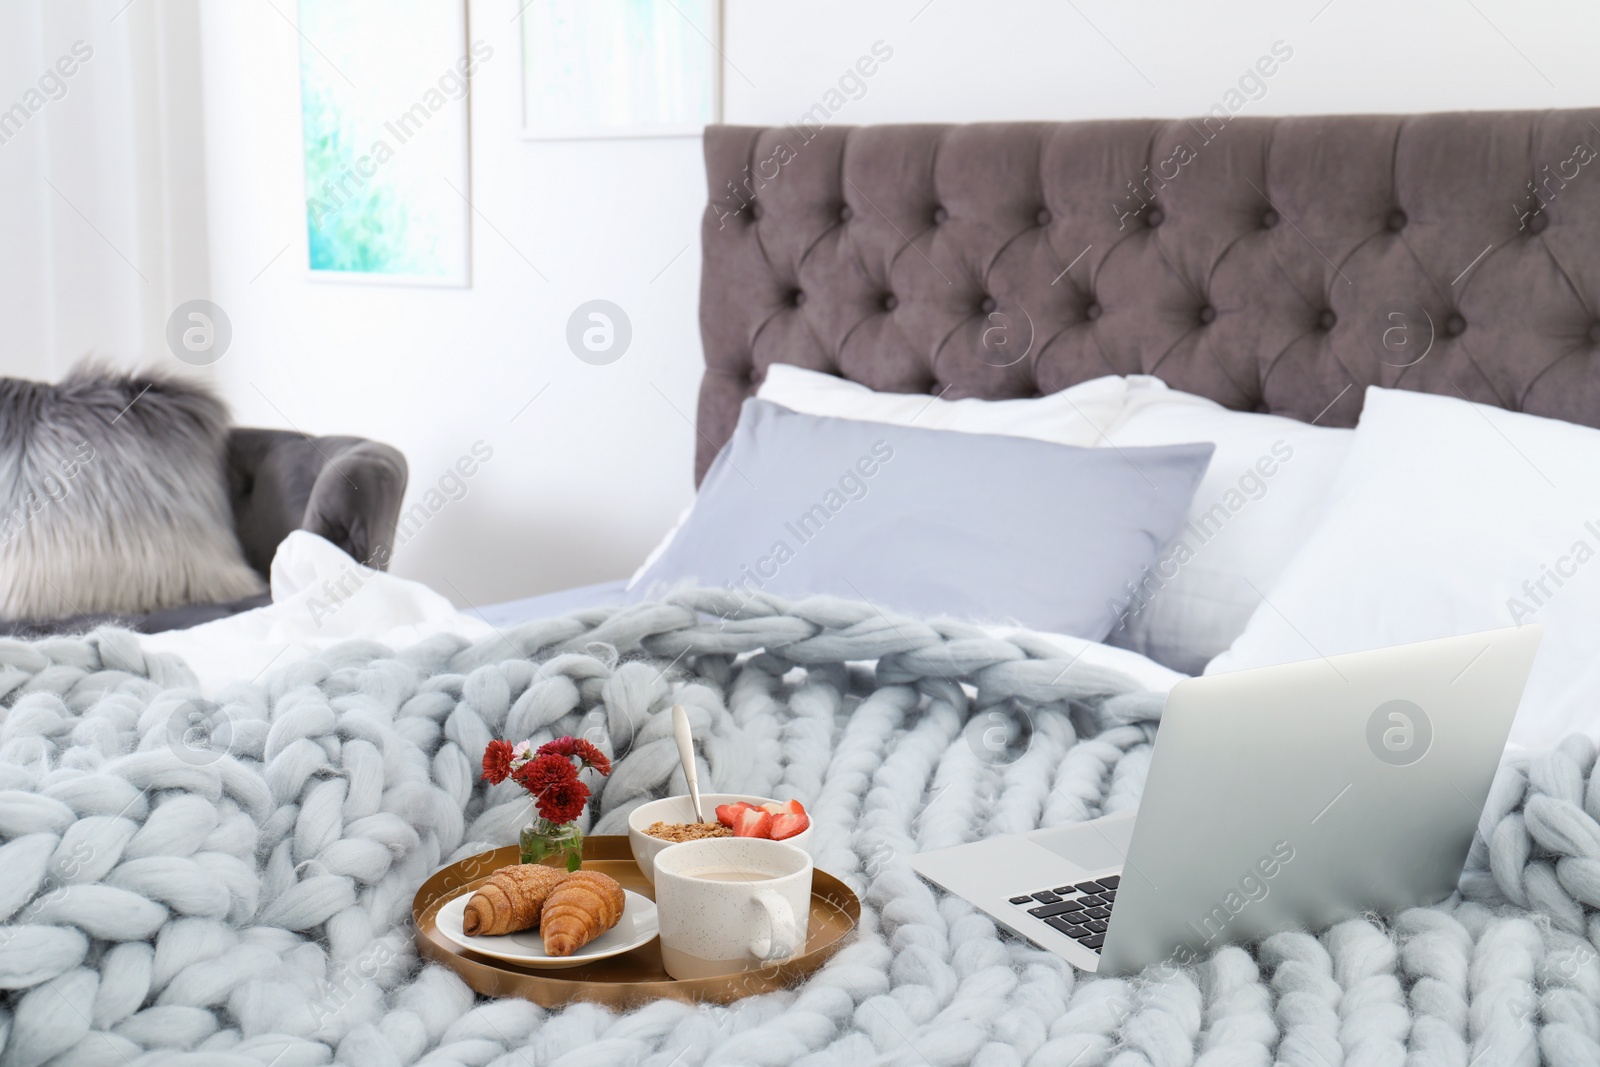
(752, 822)
(789, 824)
(772, 807)
(792, 807)
(727, 813)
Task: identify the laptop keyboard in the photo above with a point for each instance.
(1080, 911)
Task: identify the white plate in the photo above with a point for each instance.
(638, 926)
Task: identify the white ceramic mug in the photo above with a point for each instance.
(731, 904)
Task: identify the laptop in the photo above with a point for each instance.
(1287, 797)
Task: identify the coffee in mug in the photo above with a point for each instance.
(730, 875)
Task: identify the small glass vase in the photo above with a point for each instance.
(542, 839)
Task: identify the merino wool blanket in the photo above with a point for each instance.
(230, 883)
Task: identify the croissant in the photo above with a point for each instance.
(510, 900)
(585, 905)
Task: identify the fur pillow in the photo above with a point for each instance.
(113, 497)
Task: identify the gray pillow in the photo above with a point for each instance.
(930, 522)
(114, 497)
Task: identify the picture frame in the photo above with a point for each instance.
(582, 62)
(387, 166)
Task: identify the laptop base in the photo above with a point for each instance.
(990, 873)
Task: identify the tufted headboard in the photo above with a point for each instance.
(1272, 264)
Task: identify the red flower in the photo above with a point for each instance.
(497, 762)
(571, 747)
(564, 802)
(553, 781)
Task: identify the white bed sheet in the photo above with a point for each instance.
(321, 597)
(560, 602)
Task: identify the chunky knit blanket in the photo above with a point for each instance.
(230, 883)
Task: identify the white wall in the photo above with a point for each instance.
(589, 474)
(586, 478)
(965, 60)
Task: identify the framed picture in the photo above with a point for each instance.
(383, 111)
(620, 68)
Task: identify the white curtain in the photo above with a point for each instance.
(102, 178)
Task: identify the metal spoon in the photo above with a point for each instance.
(680, 730)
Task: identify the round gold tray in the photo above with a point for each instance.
(634, 977)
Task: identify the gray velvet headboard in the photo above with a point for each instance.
(1272, 264)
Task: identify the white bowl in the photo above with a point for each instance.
(681, 809)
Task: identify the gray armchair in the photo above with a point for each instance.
(345, 489)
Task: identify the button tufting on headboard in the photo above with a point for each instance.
(1443, 219)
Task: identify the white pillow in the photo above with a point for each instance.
(1204, 590)
(1448, 518)
(1261, 497)
(1075, 416)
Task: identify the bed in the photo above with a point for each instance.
(1256, 263)
(1280, 267)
